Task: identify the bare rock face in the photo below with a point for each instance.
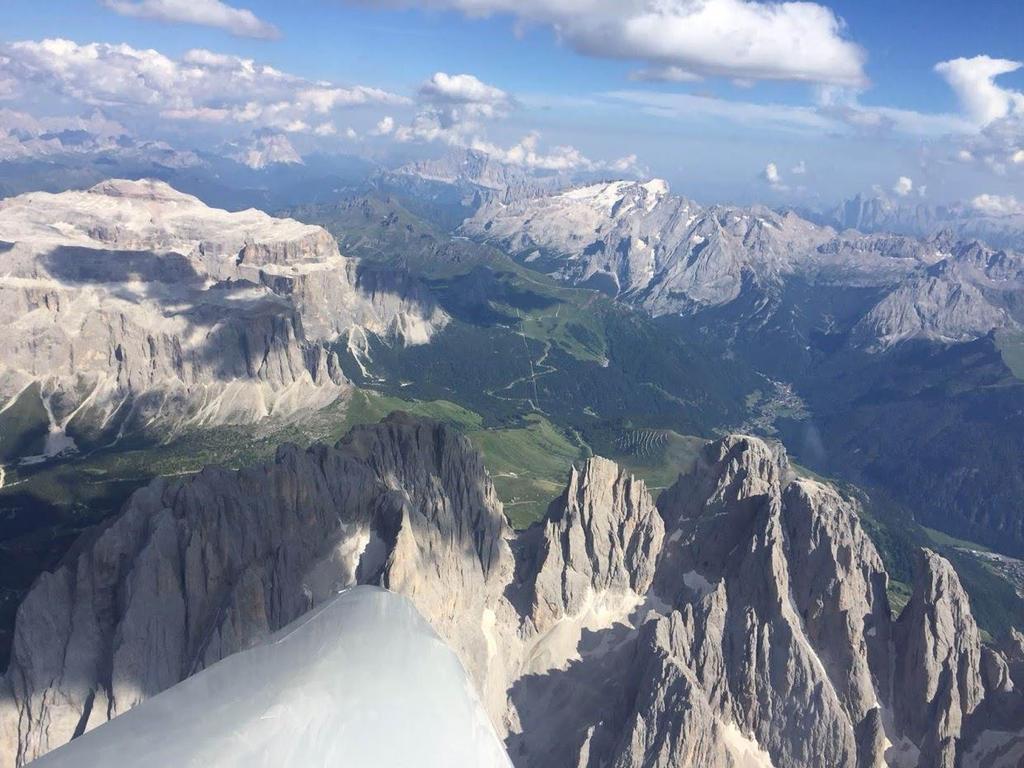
(730, 518)
(839, 589)
(763, 639)
(938, 682)
(604, 534)
(193, 571)
(740, 622)
(132, 305)
(666, 255)
(581, 577)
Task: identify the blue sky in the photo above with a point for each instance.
(858, 107)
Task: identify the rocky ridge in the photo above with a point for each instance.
(131, 305)
(669, 255)
(740, 621)
(966, 222)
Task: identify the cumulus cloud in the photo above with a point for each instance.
(998, 205)
(739, 39)
(452, 109)
(208, 13)
(525, 154)
(200, 86)
(474, 96)
(799, 169)
(771, 175)
(629, 164)
(974, 82)
(385, 127)
(456, 110)
(998, 147)
(904, 186)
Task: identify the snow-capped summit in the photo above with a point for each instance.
(668, 254)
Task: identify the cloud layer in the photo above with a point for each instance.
(996, 205)
(456, 110)
(689, 39)
(201, 86)
(208, 13)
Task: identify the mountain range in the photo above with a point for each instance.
(739, 619)
(667, 254)
(981, 219)
(676, 484)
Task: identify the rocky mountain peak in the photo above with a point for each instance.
(741, 621)
(603, 535)
(938, 684)
(194, 570)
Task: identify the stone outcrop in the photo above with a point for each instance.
(132, 306)
(603, 535)
(195, 570)
(741, 621)
(938, 681)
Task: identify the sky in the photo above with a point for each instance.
(742, 101)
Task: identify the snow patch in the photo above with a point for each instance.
(746, 752)
(560, 645)
(698, 583)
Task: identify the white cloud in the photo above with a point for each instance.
(351, 134)
(904, 186)
(385, 127)
(998, 146)
(799, 169)
(325, 129)
(628, 164)
(466, 90)
(973, 81)
(687, 106)
(837, 112)
(208, 13)
(843, 105)
(201, 86)
(996, 205)
(742, 39)
(669, 74)
(454, 110)
(561, 159)
(771, 175)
